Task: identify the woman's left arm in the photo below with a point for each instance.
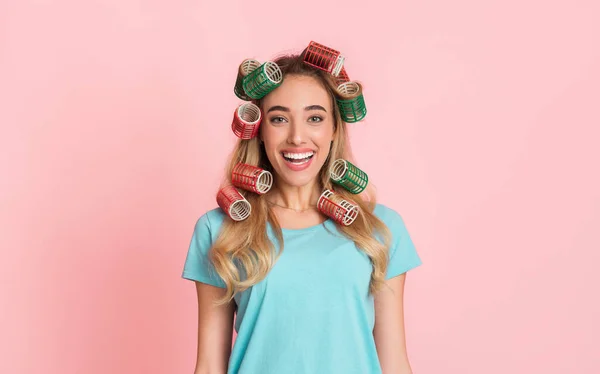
(389, 333)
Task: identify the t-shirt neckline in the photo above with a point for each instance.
(305, 229)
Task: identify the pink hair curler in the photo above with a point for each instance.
(251, 178)
(337, 208)
(246, 121)
(233, 203)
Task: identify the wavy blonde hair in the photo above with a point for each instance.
(246, 243)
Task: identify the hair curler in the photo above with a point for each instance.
(246, 121)
(233, 203)
(251, 178)
(246, 67)
(342, 77)
(352, 102)
(324, 58)
(337, 208)
(347, 175)
(262, 80)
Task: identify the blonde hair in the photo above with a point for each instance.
(246, 243)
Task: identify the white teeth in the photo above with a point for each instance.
(301, 162)
(298, 156)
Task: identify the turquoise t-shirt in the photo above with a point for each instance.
(312, 313)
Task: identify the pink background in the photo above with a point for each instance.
(115, 127)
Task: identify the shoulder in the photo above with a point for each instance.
(211, 221)
(215, 217)
(386, 214)
(403, 254)
(390, 217)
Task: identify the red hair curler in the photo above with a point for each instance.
(342, 77)
(246, 121)
(233, 203)
(337, 208)
(251, 178)
(324, 58)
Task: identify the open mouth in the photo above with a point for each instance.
(298, 158)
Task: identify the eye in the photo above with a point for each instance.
(277, 120)
(315, 119)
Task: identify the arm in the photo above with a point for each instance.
(215, 330)
(389, 327)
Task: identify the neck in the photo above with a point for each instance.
(294, 197)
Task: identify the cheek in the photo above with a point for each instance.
(270, 139)
(324, 136)
(272, 150)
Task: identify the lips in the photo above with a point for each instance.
(298, 159)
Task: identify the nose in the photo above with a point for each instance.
(296, 135)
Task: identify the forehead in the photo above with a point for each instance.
(297, 92)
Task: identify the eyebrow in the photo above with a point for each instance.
(286, 109)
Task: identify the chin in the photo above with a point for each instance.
(297, 179)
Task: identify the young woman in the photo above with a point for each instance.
(309, 296)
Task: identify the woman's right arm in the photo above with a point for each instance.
(215, 330)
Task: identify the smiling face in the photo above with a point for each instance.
(297, 129)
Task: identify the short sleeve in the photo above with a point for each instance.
(198, 266)
(403, 255)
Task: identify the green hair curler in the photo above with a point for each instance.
(352, 102)
(347, 175)
(262, 80)
(246, 67)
